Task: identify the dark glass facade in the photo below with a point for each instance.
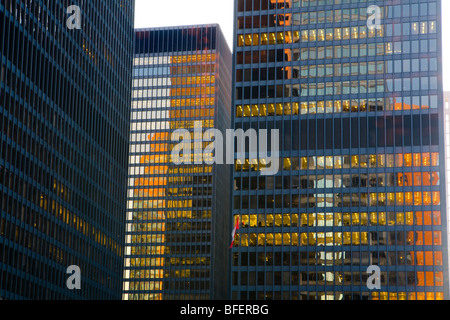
(64, 126)
(177, 215)
(362, 178)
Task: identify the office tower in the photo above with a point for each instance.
(64, 105)
(356, 92)
(177, 238)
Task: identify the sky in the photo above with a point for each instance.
(154, 13)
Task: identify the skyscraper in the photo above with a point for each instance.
(355, 88)
(64, 102)
(178, 214)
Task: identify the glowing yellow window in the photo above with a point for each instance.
(304, 163)
(286, 239)
(382, 218)
(244, 240)
(269, 239)
(295, 108)
(356, 239)
(381, 161)
(355, 32)
(337, 106)
(312, 107)
(248, 40)
(384, 296)
(294, 239)
(311, 219)
(240, 40)
(364, 218)
(247, 111)
(408, 198)
(272, 38)
(280, 37)
(271, 109)
(255, 110)
(252, 240)
(279, 109)
(286, 220)
(261, 239)
(255, 39)
(264, 39)
(287, 109)
(364, 238)
(347, 219)
(304, 108)
(400, 219)
(337, 34)
(244, 221)
(399, 198)
(278, 220)
(253, 220)
(295, 220)
(312, 239)
(355, 161)
(432, 28)
(263, 110)
(304, 239)
(347, 238)
(345, 33)
(239, 111)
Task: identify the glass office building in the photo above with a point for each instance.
(447, 156)
(356, 92)
(178, 215)
(64, 122)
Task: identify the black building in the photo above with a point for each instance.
(64, 124)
